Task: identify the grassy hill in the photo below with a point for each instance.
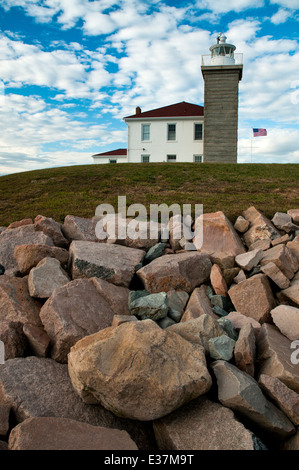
(78, 190)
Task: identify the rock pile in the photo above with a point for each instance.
(137, 344)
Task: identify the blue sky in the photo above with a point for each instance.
(70, 70)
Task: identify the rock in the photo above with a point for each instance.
(238, 320)
(293, 248)
(23, 235)
(166, 322)
(241, 276)
(276, 275)
(49, 433)
(229, 275)
(249, 260)
(219, 311)
(286, 318)
(182, 271)
(284, 239)
(228, 327)
(28, 256)
(294, 213)
(221, 347)
(119, 319)
(78, 228)
(281, 256)
(177, 300)
(261, 227)
(20, 223)
(241, 224)
(15, 343)
(199, 330)
(218, 235)
(222, 302)
(202, 425)
(199, 304)
(253, 298)
(263, 244)
(245, 351)
(285, 398)
(274, 356)
(218, 283)
(38, 339)
(223, 260)
(51, 228)
(47, 276)
(154, 252)
(160, 371)
(39, 387)
(117, 297)
(4, 420)
(292, 443)
(113, 263)
(241, 393)
(178, 227)
(284, 222)
(152, 306)
(291, 294)
(66, 317)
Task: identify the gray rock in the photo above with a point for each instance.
(250, 259)
(78, 228)
(47, 276)
(154, 252)
(153, 306)
(177, 301)
(240, 392)
(228, 327)
(284, 222)
(166, 322)
(221, 347)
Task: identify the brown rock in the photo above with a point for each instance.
(294, 213)
(113, 263)
(241, 276)
(51, 228)
(67, 434)
(66, 317)
(15, 343)
(4, 420)
(292, 443)
(244, 351)
(276, 275)
(229, 275)
(281, 256)
(28, 256)
(293, 248)
(20, 223)
(286, 318)
(217, 280)
(253, 297)
(183, 271)
(274, 356)
(38, 339)
(241, 224)
(39, 387)
(199, 304)
(119, 319)
(78, 228)
(160, 371)
(23, 235)
(117, 297)
(285, 398)
(239, 320)
(249, 260)
(223, 260)
(261, 227)
(202, 425)
(291, 294)
(284, 239)
(47, 276)
(218, 235)
(263, 244)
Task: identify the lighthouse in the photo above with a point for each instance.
(222, 70)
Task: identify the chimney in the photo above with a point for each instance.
(138, 110)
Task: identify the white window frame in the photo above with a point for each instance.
(112, 160)
(147, 156)
(175, 131)
(194, 132)
(197, 155)
(142, 132)
(171, 160)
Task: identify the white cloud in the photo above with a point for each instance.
(293, 4)
(232, 5)
(281, 16)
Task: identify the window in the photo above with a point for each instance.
(145, 158)
(145, 132)
(171, 158)
(197, 131)
(198, 158)
(171, 131)
(112, 161)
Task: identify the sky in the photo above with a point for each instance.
(70, 70)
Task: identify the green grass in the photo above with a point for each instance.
(78, 190)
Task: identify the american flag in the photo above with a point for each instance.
(259, 132)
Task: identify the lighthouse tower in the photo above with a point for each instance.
(222, 71)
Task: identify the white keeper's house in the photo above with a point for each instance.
(187, 132)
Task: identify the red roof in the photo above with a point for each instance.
(112, 152)
(173, 110)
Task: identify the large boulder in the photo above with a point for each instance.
(181, 271)
(51, 228)
(286, 318)
(113, 263)
(28, 256)
(47, 276)
(260, 228)
(137, 370)
(217, 236)
(282, 257)
(199, 304)
(24, 235)
(241, 393)
(202, 425)
(76, 310)
(49, 433)
(79, 228)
